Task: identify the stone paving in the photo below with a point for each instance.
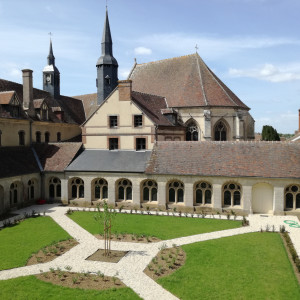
(130, 268)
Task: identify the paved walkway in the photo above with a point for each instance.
(130, 268)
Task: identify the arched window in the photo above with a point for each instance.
(292, 197)
(21, 138)
(202, 193)
(77, 188)
(192, 131)
(100, 188)
(231, 195)
(31, 189)
(38, 137)
(47, 137)
(14, 193)
(54, 188)
(220, 132)
(124, 190)
(176, 192)
(149, 190)
(58, 137)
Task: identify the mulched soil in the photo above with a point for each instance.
(113, 257)
(166, 262)
(81, 280)
(51, 252)
(132, 238)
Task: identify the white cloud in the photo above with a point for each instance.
(269, 72)
(124, 73)
(142, 51)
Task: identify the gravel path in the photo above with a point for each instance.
(130, 268)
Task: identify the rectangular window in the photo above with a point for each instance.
(113, 144)
(138, 121)
(113, 121)
(140, 144)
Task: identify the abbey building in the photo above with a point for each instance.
(171, 135)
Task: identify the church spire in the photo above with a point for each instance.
(51, 58)
(107, 65)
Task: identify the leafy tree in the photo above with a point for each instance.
(269, 134)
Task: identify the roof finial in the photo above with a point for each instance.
(106, 4)
(196, 48)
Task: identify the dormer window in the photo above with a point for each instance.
(107, 80)
(44, 112)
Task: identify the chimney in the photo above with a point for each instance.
(125, 89)
(27, 89)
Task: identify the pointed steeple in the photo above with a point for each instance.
(51, 58)
(107, 65)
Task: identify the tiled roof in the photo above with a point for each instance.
(152, 105)
(5, 97)
(56, 157)
(230, 159)
(16, 161)
(89, 102)
(73, 108)
(185, 82)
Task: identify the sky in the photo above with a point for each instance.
(252, 45)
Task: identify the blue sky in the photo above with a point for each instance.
(252, 45)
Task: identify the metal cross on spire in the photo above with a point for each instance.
(196, 47)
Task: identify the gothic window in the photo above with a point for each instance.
(292, 197)
(21, 138)
(176, 192)
(140, 144)
(113, 144)
(113, 121)
(149, 190)
(13, 193)
(220, 132)
(138, 120)
(231, 195)
(77, 188)
(47, 137)
(31, 189)
(38, 137)
(124, 190)
(58, 135)
(100, 188)
(202, 193)
(54, 188)
(192, 132)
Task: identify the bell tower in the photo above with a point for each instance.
(51, 75)
(107, 66)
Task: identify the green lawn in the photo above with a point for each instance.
(162, 227)
(249, 266)
(31, 288)
(17, 243)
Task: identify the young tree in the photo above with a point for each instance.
(105, 218)
(269, 134)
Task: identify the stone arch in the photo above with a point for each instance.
(192, 130)
(15, 193)
(232, 194)
(1, 200)
(175, 191)
(123, 190)
(32, 189)
(292, 197)
(149, 190)
(76, 188)
(221, 130)
(99, 189)
(54, 188)
(262, 198)
(202, 193)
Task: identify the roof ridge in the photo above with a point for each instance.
(149, 94)
(201, 81)
(172, 58)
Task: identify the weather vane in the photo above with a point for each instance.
(196, 48)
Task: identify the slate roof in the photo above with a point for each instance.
(73, 108)
(55, 157)
(110, 161)
(230, 159)
(185, 81)
(16, 161)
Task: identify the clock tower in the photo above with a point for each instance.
(51, 75)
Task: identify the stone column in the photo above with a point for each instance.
(247, 199)
(111, 191)
(217, 196)
(161, 193)
(278, 200)
(87, 189)
(188, 194)
(207, 125)
(64, 190)
(136, 196)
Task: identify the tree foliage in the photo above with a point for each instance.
(269, 134)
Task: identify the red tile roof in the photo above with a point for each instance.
(56, 157)
(230, 159)
(185, 81)
(5, 97)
